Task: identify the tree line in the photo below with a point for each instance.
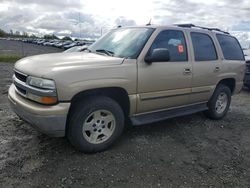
(17, 34)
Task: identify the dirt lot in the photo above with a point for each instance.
(190, 151)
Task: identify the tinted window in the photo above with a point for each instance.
(203, 45)
(230, 47)
(174, 41)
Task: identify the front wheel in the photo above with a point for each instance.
(219, 104)
(95, 124)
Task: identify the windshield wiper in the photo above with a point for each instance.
(107, 52)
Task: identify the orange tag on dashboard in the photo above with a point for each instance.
(180, 48)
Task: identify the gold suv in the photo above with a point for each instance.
(136, 75)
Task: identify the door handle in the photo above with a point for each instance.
(217, 69)
(187, 71)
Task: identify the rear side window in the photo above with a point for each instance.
(203, 45)
(174, 41)
(230, 47)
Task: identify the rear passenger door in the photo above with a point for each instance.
(205, 65)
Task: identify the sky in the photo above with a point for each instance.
(91, 18)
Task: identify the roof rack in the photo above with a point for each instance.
(192, 25)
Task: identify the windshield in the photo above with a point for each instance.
(123, 42)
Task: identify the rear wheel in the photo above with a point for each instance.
(95, 124)
(219, 104)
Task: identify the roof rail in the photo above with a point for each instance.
(192, 25)
(185, 25)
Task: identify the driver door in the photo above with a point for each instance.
(163, 85)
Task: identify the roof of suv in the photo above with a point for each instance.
(189, 27)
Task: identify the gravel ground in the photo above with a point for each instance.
(189, 151)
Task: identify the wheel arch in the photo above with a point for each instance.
(230, 82)
(118, 94)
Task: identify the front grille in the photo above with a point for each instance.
(20, 76)
(22, 91)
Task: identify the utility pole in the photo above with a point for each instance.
(80, 36)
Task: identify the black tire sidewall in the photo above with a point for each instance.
(79, 115)
(212, 113)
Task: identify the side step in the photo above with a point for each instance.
(167, 114)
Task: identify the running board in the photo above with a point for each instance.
(167, 114)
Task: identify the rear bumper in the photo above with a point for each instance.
(50, 120)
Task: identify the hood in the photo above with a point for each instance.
(42, 65)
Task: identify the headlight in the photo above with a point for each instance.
(41, 83)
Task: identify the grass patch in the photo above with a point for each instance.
(10, 58)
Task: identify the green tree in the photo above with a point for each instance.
(50, 37)
(66, 38)
(2, 33)
(25, 34)
(33, 36)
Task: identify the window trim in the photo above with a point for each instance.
(213, 42)
(185, 40)
(230, 36)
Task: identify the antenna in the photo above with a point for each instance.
(149, 23)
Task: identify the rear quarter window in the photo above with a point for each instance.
(230, 46)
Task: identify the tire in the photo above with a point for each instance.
(216, 108)
(95, 124)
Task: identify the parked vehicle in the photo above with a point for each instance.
(40, 42)
(70, 45)
(247, 75)
(66, 43)
(59, 44)
(137, 74)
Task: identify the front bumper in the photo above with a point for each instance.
(50, 120)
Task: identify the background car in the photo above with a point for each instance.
(247, 74)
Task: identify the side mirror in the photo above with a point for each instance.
(158, 55)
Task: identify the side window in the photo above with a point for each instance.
(174, 41)
(230, 47)
(203, 45)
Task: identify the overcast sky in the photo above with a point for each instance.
(61, 17)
